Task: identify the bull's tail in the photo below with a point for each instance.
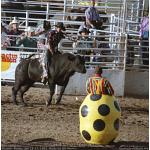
(30, 56)
(27, 57)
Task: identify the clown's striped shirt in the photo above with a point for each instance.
(99, 85)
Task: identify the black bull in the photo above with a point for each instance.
(61, 68)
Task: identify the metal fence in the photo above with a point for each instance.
(124, 47)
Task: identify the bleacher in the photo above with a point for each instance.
(124, 17)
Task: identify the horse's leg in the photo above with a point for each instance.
(61, 93)
(22, 90)
(52, 91)
(15, 89)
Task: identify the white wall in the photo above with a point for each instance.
(76, 85)
(137, 83)
(128, 84)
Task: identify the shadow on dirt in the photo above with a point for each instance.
(52, 144)
(43, 104)
(134, 109)
(131, 145)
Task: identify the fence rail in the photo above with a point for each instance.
(124, 17)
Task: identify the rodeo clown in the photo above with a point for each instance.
(98, 85)
(99, 112)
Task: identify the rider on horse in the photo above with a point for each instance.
(53, 39)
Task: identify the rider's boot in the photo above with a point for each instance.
(44, 77)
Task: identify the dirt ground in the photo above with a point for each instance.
(59, 124)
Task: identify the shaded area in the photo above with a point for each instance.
(51, 144)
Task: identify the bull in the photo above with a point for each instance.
(60, 69)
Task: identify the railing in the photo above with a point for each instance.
(126, 53)
(116, 34)
(107, 6)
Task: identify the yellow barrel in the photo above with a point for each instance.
(99, 119)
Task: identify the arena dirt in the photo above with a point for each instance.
(60, 123)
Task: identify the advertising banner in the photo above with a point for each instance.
(9, 61)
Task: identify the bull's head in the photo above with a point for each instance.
(78, 63)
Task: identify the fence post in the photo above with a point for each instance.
(65, 2)
(111, 29)
(112, 22)
(27, 16)
(124, 16)
(122, 48)
(125, 51)
(72, 3)
(124, 68)
(106, 4)
(47, 11)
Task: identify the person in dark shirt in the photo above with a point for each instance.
(53, 39)
(28, 41)
(84, 41)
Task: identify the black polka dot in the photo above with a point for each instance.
(84, 111)
(99, 125)
(86, 135)
(116, 124)
(116, 105)
(103, 110)
(95, 97)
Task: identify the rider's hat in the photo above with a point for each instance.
(61, 26)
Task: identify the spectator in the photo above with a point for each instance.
(42, 31)
(14, 31)
(92, 17)
(5, 42)
(28, 41)
(99, 85)
(43, 28)
(41, 43)
(84, 25)
(144, 36)
(85, 42)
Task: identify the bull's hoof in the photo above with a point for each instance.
(57, 103)
(47, 103)
(44, 80)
